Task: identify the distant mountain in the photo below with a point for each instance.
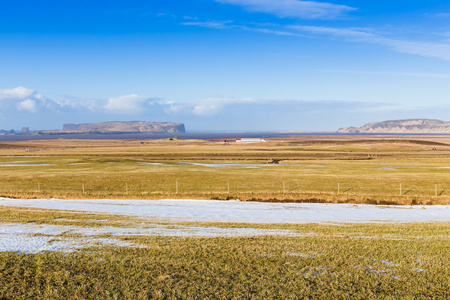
(118, 127)
(401, 126)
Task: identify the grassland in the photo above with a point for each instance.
(338, 261)
(376, 170)
(334, 261)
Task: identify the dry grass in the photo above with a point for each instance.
(351, 261)
(342, 261)
(311, 169)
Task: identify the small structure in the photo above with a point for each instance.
(227, 141)
(250, 140)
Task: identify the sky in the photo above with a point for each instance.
(265, 65)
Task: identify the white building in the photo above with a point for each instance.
(250, 140)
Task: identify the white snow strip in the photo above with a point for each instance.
(246, 212)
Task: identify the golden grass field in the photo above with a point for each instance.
(323, 261)
(338, 169)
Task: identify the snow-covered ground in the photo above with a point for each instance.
(33, 238)
(246, 212)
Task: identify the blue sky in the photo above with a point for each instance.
(223, 64)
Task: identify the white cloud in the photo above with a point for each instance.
(294, 8)
(70, 103)
(213, 106)
(206, 109)
(16, 93)
(28, 100)
(128, 104)
(27, 105)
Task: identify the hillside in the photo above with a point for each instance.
(401, 126)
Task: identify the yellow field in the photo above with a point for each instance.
(384, 169)
(324, 261)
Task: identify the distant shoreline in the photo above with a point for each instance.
(196, 135)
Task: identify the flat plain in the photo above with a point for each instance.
(308, 261)
(334, 169)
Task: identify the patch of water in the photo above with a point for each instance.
(410, 167)
(157, 164)
(224, 164)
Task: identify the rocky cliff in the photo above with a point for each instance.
(120, 127)
(402, 126)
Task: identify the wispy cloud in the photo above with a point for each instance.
(437, 50)
(294, 8)
(209, 24)
(406, 74)
(442, 15)
(429, 49)
(365, 35)
(274, 31)
(190, 18)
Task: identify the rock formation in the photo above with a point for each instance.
(119, 127)
(415, 126)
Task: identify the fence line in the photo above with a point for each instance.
(288, 188)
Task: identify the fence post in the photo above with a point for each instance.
(176, 186)
(400, 189)
(83, 188)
